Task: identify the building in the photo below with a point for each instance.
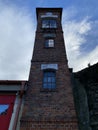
(86, 97)
(11, 93)
(48, 102)
(54, 98)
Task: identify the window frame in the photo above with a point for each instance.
(47, 78)
(48, 44)
(49, 23)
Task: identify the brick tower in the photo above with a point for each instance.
(48, 103)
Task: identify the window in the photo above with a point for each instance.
(49, 80)
(49, 23)
(3, 109)
(49, 43)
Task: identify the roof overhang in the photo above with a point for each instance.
(12, 85)
(49, 9)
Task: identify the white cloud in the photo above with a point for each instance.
(83, 61)
(77, 34)
(17, 34)
(16, 42)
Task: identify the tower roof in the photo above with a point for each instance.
(49, 9)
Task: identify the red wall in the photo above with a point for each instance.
(5, 119)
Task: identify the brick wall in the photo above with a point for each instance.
(54, 125)
(56, 106)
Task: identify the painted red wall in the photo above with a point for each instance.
(5, 119)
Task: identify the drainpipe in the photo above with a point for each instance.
(18, 107)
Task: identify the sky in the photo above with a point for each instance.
(17, 33)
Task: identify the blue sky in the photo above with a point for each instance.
(17, 33)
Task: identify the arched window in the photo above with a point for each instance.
(49, 79)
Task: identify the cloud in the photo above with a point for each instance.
(17, 33)
(83, 61)
(80, 35)
(16, 42)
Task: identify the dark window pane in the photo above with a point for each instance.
(53, 79)
(45, 74)
(49, 85)
(49, 80)
(45, 79)
(46, 44)
(45, 85)
(49, 43)
(52, 24)
(49, 23)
